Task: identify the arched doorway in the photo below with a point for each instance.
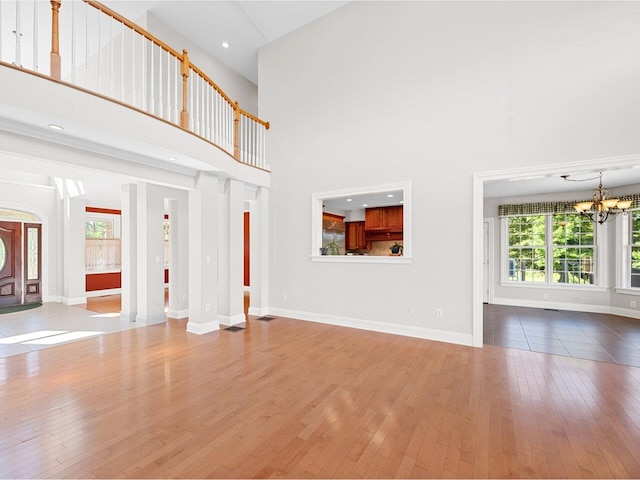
(20, 258)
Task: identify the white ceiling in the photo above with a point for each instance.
(554, 183)
(245, 25)
(349, 203)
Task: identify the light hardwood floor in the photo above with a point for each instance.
(289, 398)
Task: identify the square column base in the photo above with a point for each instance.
(202, 328)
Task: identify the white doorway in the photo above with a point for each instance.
(487, 260)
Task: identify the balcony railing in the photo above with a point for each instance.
(91, 46)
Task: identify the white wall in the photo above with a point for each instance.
(432, 92)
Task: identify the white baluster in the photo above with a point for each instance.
(143, 74)
(111, 65)
(18, 34)
(86, 44)
(99, 72)
(160, 92)
(176, 81)
(152, 80)
(35, 36)
(1, 38)
(73, 43)
(122, 74)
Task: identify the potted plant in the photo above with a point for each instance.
(330, 248)
(396, 249)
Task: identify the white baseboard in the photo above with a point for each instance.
(258, 312)
(184, 313)
(231, 320)
(375, 326)
(575, 307)
(74, 301)
(202, 328)
(52, 299)
(151, 319)
(127, 316)
(102, 293)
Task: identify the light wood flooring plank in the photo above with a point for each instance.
(291, 399)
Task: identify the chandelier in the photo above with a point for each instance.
(601, 207)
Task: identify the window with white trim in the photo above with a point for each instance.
(634, 249)
(102, 243)
(573, 240)
(557, 248)
(527, 255)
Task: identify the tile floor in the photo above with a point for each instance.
(54, 324)
(591, 336)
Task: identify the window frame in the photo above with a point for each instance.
(624, 231)
(116, 220)
(316, 225)
(599, 245)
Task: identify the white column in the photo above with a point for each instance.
(74, 290)
(203, 255)
(178, 257)
(259, 257)
(129, 235)
(150, 253)
(231, 256)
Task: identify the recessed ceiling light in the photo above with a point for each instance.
(365, 205)
(390, 195)
(172, 159)
(53, 126)
(225, 44)
(401, 201)
(349, 199)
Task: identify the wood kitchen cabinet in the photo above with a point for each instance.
(355, 236)
(389, 219)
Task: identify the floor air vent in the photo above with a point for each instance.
(234, 328)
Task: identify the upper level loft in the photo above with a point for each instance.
(77, 64)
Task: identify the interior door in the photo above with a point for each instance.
(10, 263)
(32, 263)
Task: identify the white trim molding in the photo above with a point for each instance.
(573, 307)
(102, 293)
(202, 328)
(151, 319)
(74, 300)
(184, 313)
(375, 326)
(229, 320)
(316, 222)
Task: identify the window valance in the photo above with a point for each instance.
(540, 208)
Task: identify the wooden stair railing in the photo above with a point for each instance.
(135, 68)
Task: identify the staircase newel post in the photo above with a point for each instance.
(236, 133)
(55, 39)
(184, 114)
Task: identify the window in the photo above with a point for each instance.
(99, 228)
(552, 248)
(573, 249)
(527, 257)
(634, 247)
(102, 247)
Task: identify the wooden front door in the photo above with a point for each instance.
(10, 263)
